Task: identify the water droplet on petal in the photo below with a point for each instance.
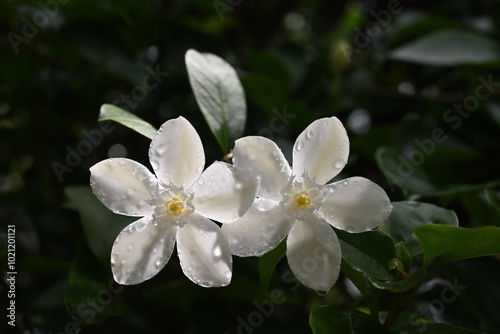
(298, 146)
(201, 181)
(159, 262)
(339, 165)
(309, 133)
(217, 251)
(345, 183)
(321, 293)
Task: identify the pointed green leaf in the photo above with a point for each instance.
(268, 262)
(219, 95)
(325, 320)
(404, 256)
(100, 225)
(443, 244)
(405, 216)
(113, 113)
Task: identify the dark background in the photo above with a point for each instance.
(60, 61)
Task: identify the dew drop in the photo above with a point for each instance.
(217, 251)
(201, 181)
(321, 293)
(199, 170)
(298, 146)
(339, 165)
(155, 223)
(159, 262)
(309, 133)
(345, 183)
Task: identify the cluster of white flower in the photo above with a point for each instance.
(259, 200)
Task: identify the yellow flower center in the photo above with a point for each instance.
(175, 207)
(302, 201)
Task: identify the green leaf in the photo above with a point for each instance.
(448, 48)
(92, 296)
(444, 244)
(113, 113)
(368, 252)
(400, 172)
(100, 225)
(268, 262)
(405, 216)
(431, 328)
(404, 256)
(325, 320)
(405, 284)
(219, 95)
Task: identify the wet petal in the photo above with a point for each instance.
(314, 255)
(224, 192)
(260, 230)
(355, 204)
(204, 253)
(265, 161)
(141, 250)
(176, 153)
(123, 186)
(321, 150)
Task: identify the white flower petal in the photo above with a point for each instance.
(123, 185)
(355, 205)
(313, 254)
(321, 150)
(204, 252)
(260, 230)
(224, 192)
(265, 161)
(141, 250)
(176, 153)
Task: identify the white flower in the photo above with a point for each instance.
(175, 206)
(296, 202)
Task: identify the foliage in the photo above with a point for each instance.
(416, 84)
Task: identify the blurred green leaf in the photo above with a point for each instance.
(481, 207)
(368, 252)
(100, 225)
(268, 262)
(270, 65)
(431, 328)
(442, 244)
(400, 172)
(448, 48)
(219, 94)
(406, 216)
(325, 320)
(112, 113)
(415, 181)
(92, 296)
